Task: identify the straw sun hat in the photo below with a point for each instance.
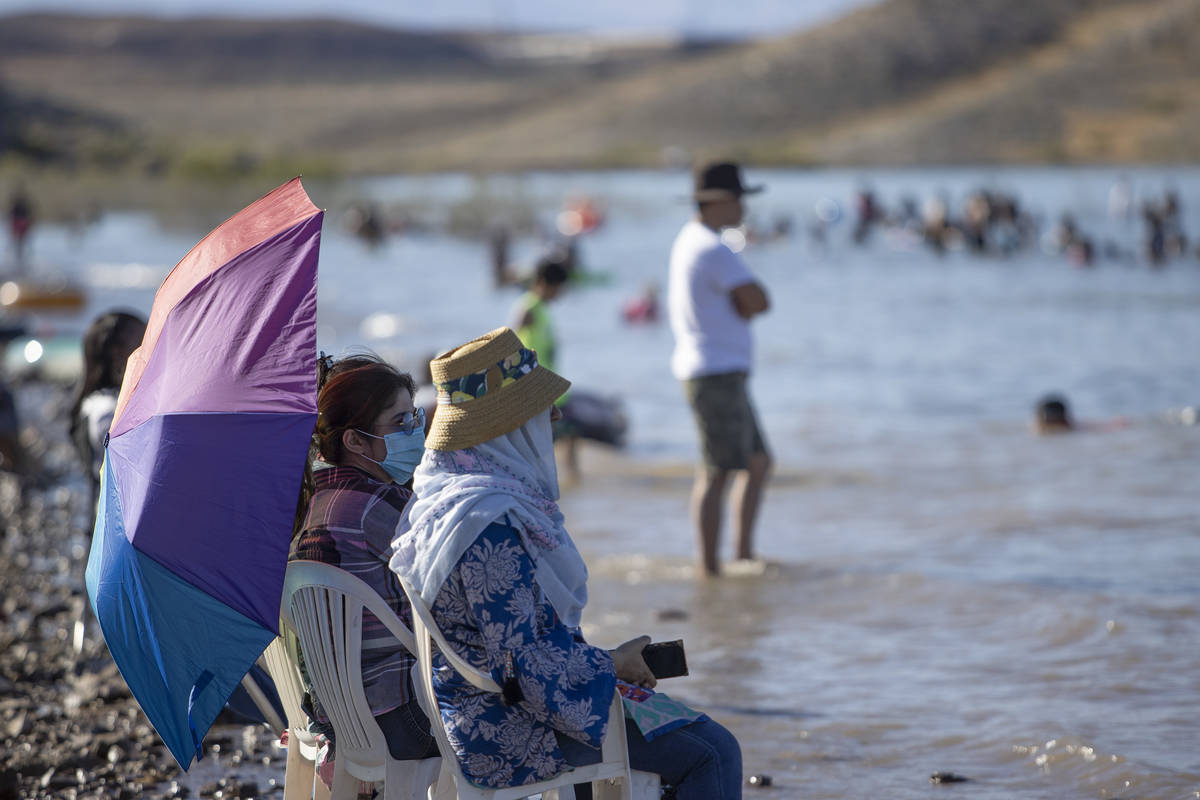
(488, 387)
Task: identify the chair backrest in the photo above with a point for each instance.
(324, 605)
(614, 761)
(423, 620)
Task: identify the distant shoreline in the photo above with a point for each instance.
(1093, 82)
(67, 197)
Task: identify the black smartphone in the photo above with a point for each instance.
(665, 659)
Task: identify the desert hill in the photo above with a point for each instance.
(905, 81)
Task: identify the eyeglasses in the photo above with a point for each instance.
(411, 421)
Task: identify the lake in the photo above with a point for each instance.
(942, 590)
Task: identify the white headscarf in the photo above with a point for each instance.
(513, 479)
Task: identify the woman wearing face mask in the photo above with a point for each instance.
(369, 439)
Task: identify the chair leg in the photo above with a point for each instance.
(410, 780)
(610, 790)
(445, 788)
(428, 771)
(640, 786)
(320, 790)
(345, 785)
(298, 775)
(644, 785)
(397, 784)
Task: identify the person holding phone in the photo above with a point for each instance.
(484, 543)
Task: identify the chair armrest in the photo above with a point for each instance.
(391, 621)
(422, 614)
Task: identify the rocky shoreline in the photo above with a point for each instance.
(71, 728)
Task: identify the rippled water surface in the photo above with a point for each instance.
(943, 590)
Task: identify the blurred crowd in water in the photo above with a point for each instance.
(997, 223)
(994, 223)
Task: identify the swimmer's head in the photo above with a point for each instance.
(1052, 415)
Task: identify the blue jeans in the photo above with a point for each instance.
(701, 760)
(406, 729)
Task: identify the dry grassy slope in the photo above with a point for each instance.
(363, 96)
(776, 100)
(215, 49)
(1122, 85)
(906, 81)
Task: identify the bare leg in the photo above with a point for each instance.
(567, 453)
(747, 497)
(707, 499)
(573, 458)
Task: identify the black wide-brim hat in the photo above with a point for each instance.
(721, 181)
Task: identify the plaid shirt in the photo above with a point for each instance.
(350, 523)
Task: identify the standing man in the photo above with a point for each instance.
(711, 300)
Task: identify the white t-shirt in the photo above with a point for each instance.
(97, 411)
(710, 336)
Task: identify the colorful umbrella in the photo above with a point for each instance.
(203, 466)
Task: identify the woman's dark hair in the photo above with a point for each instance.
(353, 392)
(353, 396)
(101, 370)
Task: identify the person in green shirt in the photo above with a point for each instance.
(532, 318)
(535, 328)
(585, 415)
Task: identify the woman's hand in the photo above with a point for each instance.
(629, 665)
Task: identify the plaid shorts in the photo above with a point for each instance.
(729, 432)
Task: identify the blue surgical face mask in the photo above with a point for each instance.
(404, 451)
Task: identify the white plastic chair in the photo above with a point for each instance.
(611, 779)
(261, 701)
(324, 605)
(299, 781)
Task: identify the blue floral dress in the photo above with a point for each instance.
(492, 612)
(494, 615)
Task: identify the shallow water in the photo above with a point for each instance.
(943, 590)
(1036, 636)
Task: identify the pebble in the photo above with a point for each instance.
(16, 725)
